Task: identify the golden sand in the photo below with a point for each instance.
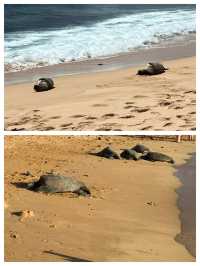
(110, 100)
(132, 214)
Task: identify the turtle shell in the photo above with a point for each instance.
(153, 68)
(156, 156)
(44, 84)
(129, 154)
(107, 153)
(55, 183)
(140, 148)
(156, 68)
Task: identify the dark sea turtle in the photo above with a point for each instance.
(107, 153)
(43, 84)
(140, 148)
(55, 183)
(156, 156)
(130, 154)
(152, 69)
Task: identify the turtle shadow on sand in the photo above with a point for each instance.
(65, 257)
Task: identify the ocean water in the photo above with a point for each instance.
(39, 35)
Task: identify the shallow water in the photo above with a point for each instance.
(187, 204)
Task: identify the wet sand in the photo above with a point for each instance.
(120, 61)
(187, 204)
(109, 100)
(132, 214)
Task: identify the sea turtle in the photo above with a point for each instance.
(43, 84)
(107, 153)
(130, 154)
(156, 156)
(140, 148)
(55, 183)
(152, 69)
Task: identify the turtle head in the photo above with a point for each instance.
(142, 72)
(34, 185)
(30, 185)
(84, 191)
(116, 156)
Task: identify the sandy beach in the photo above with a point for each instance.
(132, 214)
(108, 100)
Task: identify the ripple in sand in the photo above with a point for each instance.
(77, 116)
(108, 115)
(127, 116)
(168, 124)
(66, 125)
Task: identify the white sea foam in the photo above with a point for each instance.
(112, 36)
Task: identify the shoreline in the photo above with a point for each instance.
(186, 203)
(115, 62)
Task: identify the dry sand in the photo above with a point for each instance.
(109, 100)
(131, 216)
